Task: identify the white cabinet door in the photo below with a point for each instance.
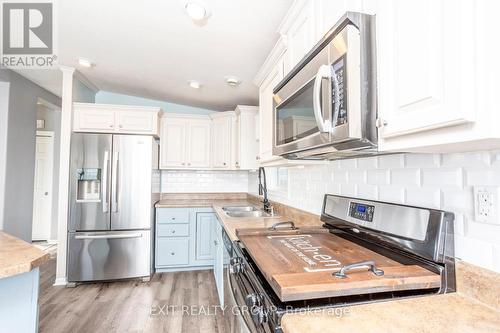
(219, 261)
(247, 149)
(140, 122)
(301, 35)
(94, 120)
(221, 143)
(205, 223)
(198, 144)
(266, 111)
(425, 66)
(173, 143)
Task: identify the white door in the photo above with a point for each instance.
(221, 143)
(198, 145)
(173, 143)
(42, 199)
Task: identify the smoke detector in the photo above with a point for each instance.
(232, 81)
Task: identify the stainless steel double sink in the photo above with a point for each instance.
(244, 211)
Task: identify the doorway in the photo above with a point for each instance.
(42, 196)
(46, 177)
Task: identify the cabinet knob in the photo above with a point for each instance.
(111, 126)
(189, 163)
(173, 231)
(173, 253)
(183, 163)
(380, 123)
(257, 158)
(121, 126)
(224, 163)
(173, 218)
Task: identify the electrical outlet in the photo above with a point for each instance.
(486, 202)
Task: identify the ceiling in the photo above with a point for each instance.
(151, 48)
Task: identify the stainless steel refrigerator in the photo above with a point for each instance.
(111, 206)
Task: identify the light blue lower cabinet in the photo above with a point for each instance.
(184, 239)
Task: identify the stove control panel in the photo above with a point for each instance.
(361, 211)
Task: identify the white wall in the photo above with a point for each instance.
(176, 181)
(4, 110)
(430, 180)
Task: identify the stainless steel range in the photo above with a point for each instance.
(366, 251)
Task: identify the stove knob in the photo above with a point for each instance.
(235, 266)
(261, 316)
(252, 300)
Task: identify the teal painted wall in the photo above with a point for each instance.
(106, 97)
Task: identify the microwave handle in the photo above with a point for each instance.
(324, 72)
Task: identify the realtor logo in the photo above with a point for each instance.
(28, 35)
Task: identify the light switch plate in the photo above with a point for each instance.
(486, 202)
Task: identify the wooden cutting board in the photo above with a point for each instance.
(299, 265)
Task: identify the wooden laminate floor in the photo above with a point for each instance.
(170, 302)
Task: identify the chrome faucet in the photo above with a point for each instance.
(263, 190)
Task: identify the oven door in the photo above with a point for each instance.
(321, 103)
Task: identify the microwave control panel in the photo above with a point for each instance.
(338, 68)
(361, 211)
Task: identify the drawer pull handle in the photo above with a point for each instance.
(342, 274)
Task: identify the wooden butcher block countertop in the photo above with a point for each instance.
(18, 256)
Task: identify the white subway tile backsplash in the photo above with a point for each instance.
(357, 176)
(474, 251)
(377, 177)
(349, 190)
(367, 163)
(174, 181)
(476, 159)
(340, 177)
(444, 177)
(391, 161)
(424, 197)
(366, 191)
(348, 164)
(405, 177)
(458, 200)
(483, 231)
(422, 160)
(483, 177)
(394, 194)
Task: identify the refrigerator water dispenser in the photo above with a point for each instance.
(88, 188)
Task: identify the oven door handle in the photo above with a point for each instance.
(324, 72)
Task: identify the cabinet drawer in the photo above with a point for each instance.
(172, 215)
(172, 230)
(172, 251)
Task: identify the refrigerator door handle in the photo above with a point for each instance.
(105, 167)
(114, 193)
(110, 236)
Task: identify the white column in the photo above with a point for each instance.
(62, 214)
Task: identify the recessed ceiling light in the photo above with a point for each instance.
(85, 63)
(232, 81)
(194, 84)
(195, 10)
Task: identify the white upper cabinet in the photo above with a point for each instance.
(245, 151)
(198, 152)
(221, 139)
(106, 118)
(173, 143)
(426, 72)
(185, 142)
(299, 27)
(266, 111)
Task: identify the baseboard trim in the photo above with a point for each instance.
(61, 282)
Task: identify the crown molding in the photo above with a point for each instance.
(86, 82)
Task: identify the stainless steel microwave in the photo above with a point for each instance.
(326, 107)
